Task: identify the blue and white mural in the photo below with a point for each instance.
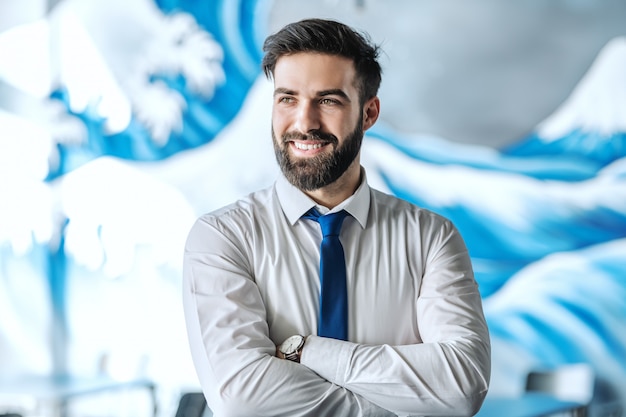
(132, 118)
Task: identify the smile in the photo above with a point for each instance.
(307, 146)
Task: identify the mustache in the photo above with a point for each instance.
(317, 135)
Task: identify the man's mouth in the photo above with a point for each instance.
(307, 146)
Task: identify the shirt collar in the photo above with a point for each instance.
(295, 203)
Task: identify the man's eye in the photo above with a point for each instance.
(329, 101)
(285, 100)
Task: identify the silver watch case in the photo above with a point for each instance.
(291, 347)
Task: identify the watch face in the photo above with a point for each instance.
(291, 344)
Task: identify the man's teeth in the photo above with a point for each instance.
(306, 146)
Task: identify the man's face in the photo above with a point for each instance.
(317, 120)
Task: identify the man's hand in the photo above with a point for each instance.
(279, 354)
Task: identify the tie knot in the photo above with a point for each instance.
(330, 223)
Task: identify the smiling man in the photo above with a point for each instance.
(321, 296)
(316, 105)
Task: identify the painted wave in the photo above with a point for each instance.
(508, 220)
(590, 126)
(238, 27)
(566, 308)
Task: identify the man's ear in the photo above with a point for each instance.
(371, 110)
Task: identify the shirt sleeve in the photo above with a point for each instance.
(229, 339)
(448, 372)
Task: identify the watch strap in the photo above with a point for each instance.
(294, 356)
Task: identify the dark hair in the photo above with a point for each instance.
(328, 37)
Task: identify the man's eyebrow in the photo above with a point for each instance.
(334, 92)
(281, 90)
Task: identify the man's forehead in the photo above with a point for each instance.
(314, 72)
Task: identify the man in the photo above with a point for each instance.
(409, 337)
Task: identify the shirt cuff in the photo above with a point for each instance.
(329, 358)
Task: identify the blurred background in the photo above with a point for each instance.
(121, 121)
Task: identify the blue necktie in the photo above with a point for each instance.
(333, 315)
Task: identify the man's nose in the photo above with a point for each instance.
(307, 118)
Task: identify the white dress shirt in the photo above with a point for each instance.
(418, 341)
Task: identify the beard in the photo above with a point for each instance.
(310, 174)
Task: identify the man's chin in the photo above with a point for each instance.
(306, 180)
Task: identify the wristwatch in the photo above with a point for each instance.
(291, 348)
